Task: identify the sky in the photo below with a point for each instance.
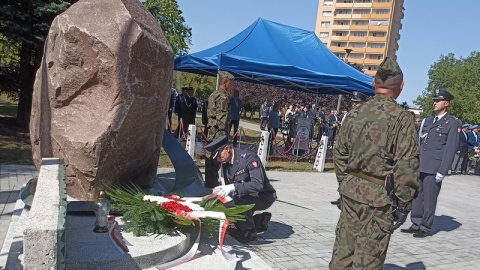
(430, 28)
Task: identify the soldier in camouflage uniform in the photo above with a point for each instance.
(377, 139)
(218, 114)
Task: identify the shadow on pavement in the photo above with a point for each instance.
(444, 224)
(412, 266)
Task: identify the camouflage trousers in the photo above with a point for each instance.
(362, 236)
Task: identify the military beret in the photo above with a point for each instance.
(465, 125)
(216, 145)
(226, 75)
(474, 127)
(389, 68)
(357, 96)
(442, 94)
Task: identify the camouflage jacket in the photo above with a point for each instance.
(376, 139)
(218, 111)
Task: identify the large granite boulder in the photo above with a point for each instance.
(101, 95)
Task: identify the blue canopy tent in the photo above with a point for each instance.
(279, 55)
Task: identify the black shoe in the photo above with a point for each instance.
(336, 202)
(261, 221)
(409, 230)
(421, 234)
(232, 231)
(246, 236)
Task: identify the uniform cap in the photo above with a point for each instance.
(357, 96)
(465, 125)
(216, 145)
(389, 68)
(442, 94)
(226, 75)
(474, 127)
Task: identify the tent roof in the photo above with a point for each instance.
(275, 54)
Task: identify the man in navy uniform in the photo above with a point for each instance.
(460, 161)
(247, 183)
(472, 142)
(438, 141)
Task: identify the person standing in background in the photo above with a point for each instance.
(264, 110)
(273, 124)
(438, 141)
(236, 106)
(189, 107)
(472, 141)
(460, 161)
(218, 113)
(171, 106)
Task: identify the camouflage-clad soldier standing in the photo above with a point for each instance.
(218, 114)
(377, 139)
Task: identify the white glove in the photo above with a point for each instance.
(224, 190)
(439, 178)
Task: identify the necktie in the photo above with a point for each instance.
(435, 120)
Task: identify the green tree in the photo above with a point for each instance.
(459, 76)
(24, 25)
(203, 85)
(170, 18)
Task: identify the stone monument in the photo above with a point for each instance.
(101, 95)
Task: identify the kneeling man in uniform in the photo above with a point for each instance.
(247, 183)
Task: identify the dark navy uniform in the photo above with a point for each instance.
(438, 143)
(251, 184)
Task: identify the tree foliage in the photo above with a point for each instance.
(459, 76)
(203, 85)
(170, 18)
(23, 26)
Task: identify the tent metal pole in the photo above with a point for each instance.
(217, 85)
(339, 102)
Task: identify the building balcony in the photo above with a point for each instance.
(357, 50)
(377, 39)
(357, 38)
(370, 72)
(365, 16)
(382, 4)
(343, 5)
(339, 38)
(383, 28)
(375, 50)
(343, 16)
(380, 16)
(337, 49)
(340, 27)
(359, 27)
(372, 62)
(362, 5)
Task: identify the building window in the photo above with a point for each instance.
(361, 22)
(344, 11)
(341, 44)
(326, 13)
(358, 45)
(359, 34)
(376, 45)
(328, 3)
(356, 55)
(323, 34)
(375, 56)
(341, 22)
(363, 1)
(384, 1)
(325, 24)
(372, 68)
(361, 11)
(373, 22)
(378, 34)
(340, 34)
(381, 11)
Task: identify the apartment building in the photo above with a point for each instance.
(362, 32)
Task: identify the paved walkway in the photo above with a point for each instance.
(302, 229)
(12, 178)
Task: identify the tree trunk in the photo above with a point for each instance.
(26, 75)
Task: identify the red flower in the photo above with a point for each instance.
(173, 206)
